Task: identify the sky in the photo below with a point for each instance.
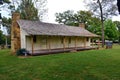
(116, 18)
(55, 6)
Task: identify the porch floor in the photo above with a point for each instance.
(59, 50)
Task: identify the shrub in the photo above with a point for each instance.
(21, 52)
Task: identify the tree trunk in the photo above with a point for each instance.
(102, 21)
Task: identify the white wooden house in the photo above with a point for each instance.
(40, 37)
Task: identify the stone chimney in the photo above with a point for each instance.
(82, 25)
(15, 33)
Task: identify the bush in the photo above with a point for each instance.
(22, 52)
(2, 46)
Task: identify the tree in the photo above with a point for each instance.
(73, 19)
(108, 6)
(67, 17)
(3, 6)
(97, 8)
(27, 10)
(2, 38)
(102, 21)
(83, 16)
(118, 4)
(111, 32)
(40, 5)
(6, 22)
(118, 27)
(6, 1)
(94, 25)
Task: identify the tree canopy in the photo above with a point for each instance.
(108, 6)
(111, 32)
(118, 28)
(27, 10)
(94, 25)
(6, 22)
(67, 17)
(74, 19)
(102, 9)
(2, 38)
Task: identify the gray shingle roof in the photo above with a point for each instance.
(42, 28)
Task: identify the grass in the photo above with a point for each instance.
(85, 65)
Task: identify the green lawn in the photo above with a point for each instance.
(84, 65)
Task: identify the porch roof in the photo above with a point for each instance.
(42, 28)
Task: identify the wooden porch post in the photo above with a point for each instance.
(84, 42)
(49, 46)
(92, 42)
(64, 42)
(75, 42)
(98, 43)
(32, 44)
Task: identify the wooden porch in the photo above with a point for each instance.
(59, 50)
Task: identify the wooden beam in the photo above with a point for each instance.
(98, 43)
(49, 44)
(32, 44)
(84, 42)
(92, 42)
(75, 42)
(64, 42)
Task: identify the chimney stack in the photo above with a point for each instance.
(15, 33)
(82, 25)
